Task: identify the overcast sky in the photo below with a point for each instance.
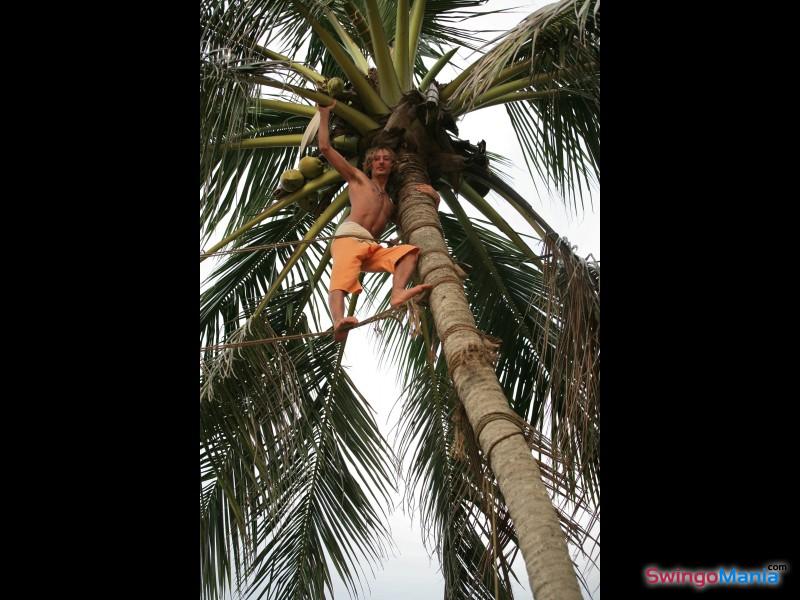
(410, 572)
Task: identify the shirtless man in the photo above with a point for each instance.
(371, 208)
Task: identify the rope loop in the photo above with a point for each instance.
(459, 327)
(422, 223)
(511, 417)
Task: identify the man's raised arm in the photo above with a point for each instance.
(336, 160)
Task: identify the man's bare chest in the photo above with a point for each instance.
(371, 198)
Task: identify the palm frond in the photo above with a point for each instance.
(223, 110)
(244, 276)
(559, 137)
(554, 101)
(333, 520)
(494, 217)
(241, 279)
(387, 76)
(353, 49)
(326, 180)
(294, 467)
(225, 172)
(402, 58)
(229, 35)
(243, 186)
(556, 37)
(443, 17)
(371, 99)
(413, 30)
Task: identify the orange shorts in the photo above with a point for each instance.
(351, 256)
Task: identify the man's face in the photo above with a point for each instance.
(382, 162)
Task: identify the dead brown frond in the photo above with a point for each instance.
(572, 335)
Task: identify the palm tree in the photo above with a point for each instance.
(503, 359)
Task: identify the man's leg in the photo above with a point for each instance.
(402, 273)
(347, 257)
(336, 304)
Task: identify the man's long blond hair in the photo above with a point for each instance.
(371, 153)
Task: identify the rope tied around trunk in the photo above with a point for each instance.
(465, 327)
(485, 352)
(419, 224)
(524, 429)
(453, 265)
(458, 327)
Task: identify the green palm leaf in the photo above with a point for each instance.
(288, 437)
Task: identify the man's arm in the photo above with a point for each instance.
(336, 160)
(429, 191)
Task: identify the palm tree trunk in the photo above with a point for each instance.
(541, 539)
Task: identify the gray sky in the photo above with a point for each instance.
(410, 572)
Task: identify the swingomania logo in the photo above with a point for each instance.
(770, 575)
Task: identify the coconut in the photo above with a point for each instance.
(335, 86)
(292, 180)
(310, 167)
(346, 143)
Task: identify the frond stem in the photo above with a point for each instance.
(401, 41)
(387, 76)
(357, 119)
(372, 101)
(293, 108)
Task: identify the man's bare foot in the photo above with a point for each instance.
(402, 296)
(340, 334)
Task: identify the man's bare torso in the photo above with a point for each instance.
(370, 206)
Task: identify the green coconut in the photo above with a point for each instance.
(335, 86)
(346, 143)
(311, 167)
(292, 180)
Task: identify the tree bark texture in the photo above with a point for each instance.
(541, 540)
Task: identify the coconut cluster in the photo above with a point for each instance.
(310, 167)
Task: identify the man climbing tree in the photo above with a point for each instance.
(501, 440)
(371, 209)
